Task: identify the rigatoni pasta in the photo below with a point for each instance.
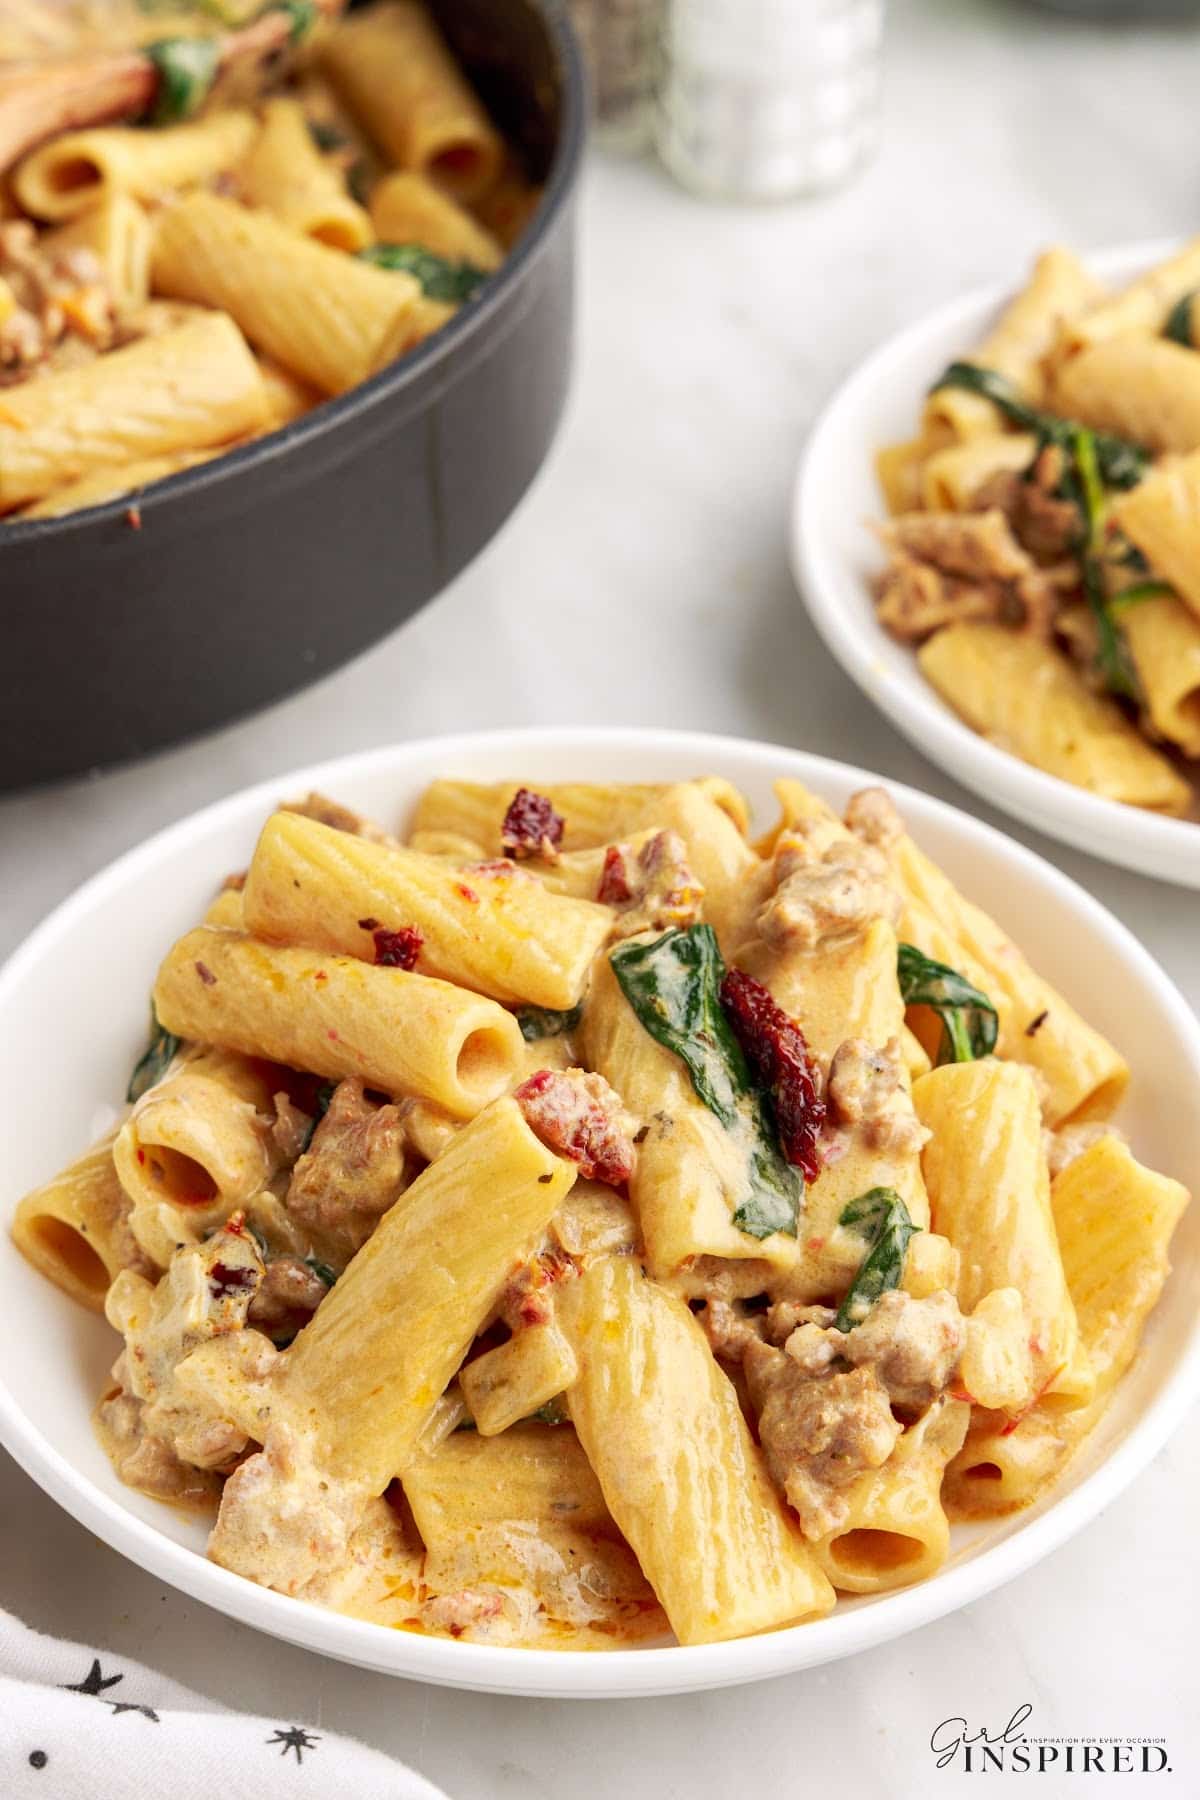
(330, 321)
(183, 391)
(244, 200)
(285, 174)
(567, 1231)
(71, 173)
(396, 72)
(1041, 550)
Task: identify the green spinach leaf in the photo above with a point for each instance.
(881, 1217)
(326, 136)
(1121, 464)
(1112, 653)
(543, 1022)
(1141, 590)
(673, 985)
(187, 68)
(440, 278)
(969, 1023)
(303, 16)
(1178, 326)
(152, 1065)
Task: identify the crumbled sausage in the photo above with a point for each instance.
(729, 1329)
(291, 1127)
(351, 1173)
(785, 1315)
(818, 1433)
(866, 1092)
(835, 894)
(290, 1293)
(946, 567)
(60, 310)
(871, 816)
(911, 1346)
(1043, 522)
(913, 599)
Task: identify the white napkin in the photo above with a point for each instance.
(78, 1723)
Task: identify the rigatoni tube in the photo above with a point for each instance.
(186, 389)
(75, 170)
(286, 174)
(494, 929)
(336, 1016)
(397, 74)
(989, 1192)
(196, 1146)
(407, 209)
(325, 316)
(74, 1230)
(1026, 696)
(682, 1476)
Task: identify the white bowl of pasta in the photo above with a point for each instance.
(991, 705)
(495, 1258)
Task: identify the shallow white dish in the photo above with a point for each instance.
(833, 555)
(73, 1007)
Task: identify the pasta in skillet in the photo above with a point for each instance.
(1042, 549)
(199, 275)
(578, 1223)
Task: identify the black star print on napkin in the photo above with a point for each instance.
(94, 1683)
(294, 1738)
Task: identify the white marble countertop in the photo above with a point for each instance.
(644, 582)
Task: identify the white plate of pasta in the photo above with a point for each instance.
(1001, 562)
(623, 1212)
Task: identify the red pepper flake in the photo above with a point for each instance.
(498, 866)
(206, 975)
(780, 1062)
(396, 949)
(614, 889)
(332, 1036)
(368, 924)
(1035, 1025)
(133, 517)
(531, 826)
(569, 1115)
(468, 893)
(141, 1156)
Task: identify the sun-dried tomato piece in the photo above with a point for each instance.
(781, 1063)
(224, 1280)
(531, 826)
(578, 1115)
(614, 889)
(397, 949)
